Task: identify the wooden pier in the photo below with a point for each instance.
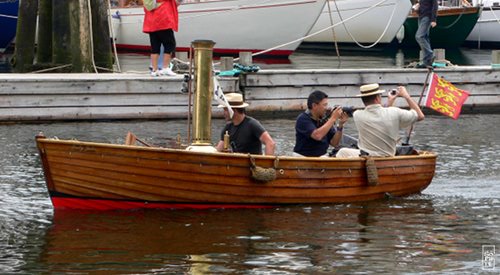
(45, 97)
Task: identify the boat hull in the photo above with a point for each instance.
(453, 27)
(487, 29)
(363, 28)
(107, 176)
(235, 26)
(8, 21)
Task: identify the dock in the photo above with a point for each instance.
(53, 97)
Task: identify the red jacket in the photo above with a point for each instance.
(162, 18)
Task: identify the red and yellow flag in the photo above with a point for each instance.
(444, 97)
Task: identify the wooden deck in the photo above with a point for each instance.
(42, 97)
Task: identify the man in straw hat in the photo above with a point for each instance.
(379, 126)
(315, 128)
(246, 134)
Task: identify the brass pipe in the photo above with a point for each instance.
(202, 113)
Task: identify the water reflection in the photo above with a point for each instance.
(440, 231)
(400, 235)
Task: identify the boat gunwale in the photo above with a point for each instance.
(421, 155)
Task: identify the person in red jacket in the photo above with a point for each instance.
(160, 23)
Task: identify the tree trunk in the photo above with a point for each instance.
(103, 55)
(25, 36)
(44, 44)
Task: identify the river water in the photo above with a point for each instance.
(441, 231)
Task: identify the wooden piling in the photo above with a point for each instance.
(226, 63)
(245, 58)
(61, 52)
(102, 44)
(440, 55)
(25, 36)
(44, 41)
(495, 59)
(81, 48)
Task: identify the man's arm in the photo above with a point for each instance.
(412, 104)
(321, 132)
(266, 139)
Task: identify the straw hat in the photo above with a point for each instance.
(235, 100)
(370, 89)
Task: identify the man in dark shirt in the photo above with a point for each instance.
(427, 16)
(314, 132)
(246, 134)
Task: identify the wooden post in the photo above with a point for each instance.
(44, 42)
(440, 55)
(80, 36)
(182, 56)
(226, 63)
(246, 58)
(103, 55)
(25, 36)
(61, 52)
(495, 59)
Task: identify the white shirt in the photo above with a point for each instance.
(378, 128)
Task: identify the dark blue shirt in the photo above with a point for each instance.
(428, 8)
(304, 144)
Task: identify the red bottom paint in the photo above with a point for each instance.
(96, 204)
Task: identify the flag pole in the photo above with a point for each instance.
(426, 83)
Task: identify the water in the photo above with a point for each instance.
(440, 231)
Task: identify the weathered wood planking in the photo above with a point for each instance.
(28, 97)
(34, 97)
(287, 90)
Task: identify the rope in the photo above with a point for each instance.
(110, 26)
(493, 11)
(380, 37)
(320, 31)
(333, 34)
(91, 37)
(51, 69)
(454, 22)
(228, 10)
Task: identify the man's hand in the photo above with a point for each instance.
(433, 24)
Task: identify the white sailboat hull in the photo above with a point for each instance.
(235, 25)
(487, 28)
(367, 27)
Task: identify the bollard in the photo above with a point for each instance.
(226, 63)
(183, 56)
(440, 55)
(495, 59)
(246, 58)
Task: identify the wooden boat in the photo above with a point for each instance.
(238, 25)
(8, 21)
(486, 31)
(109, 176)
(372, 21)
(454, 24)
(103, 176)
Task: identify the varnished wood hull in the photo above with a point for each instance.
(97, 175)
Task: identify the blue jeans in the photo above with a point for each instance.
(423, 39)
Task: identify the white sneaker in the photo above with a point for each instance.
(155, 73)
(167, 71)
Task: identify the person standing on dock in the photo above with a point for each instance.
(160, 23)
(427, 16)
(246, 134)
(379, 126)
(315, 128)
